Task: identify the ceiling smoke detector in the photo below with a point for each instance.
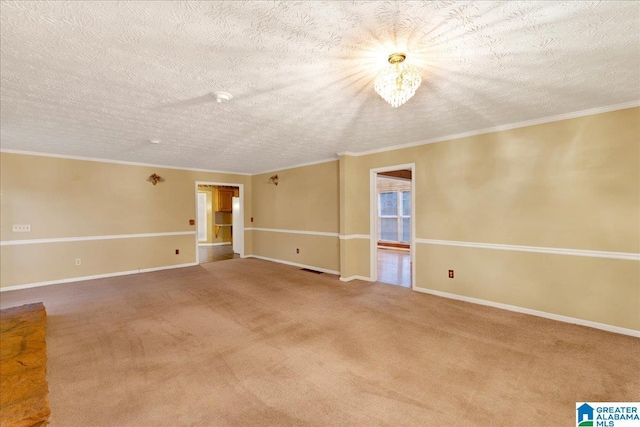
(221, 97)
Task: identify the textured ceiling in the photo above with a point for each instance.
(100, 79)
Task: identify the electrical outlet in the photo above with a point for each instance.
(177, 251)
(21, 228)
(450, 274)
(78, 261)
(297, 250)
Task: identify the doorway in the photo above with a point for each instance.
(392, 225)
(219, 221)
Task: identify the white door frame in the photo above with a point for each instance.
(198, 195)
(238, 225)
(240, 195)
(373, 220)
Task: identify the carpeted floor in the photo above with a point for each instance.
(247, 342)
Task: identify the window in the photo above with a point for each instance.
(394, 216)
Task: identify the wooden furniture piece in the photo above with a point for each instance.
(225, 203)
(23, 367)
(221, 219)
(216, 228)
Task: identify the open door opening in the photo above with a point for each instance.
(392, 225)
(219, 224)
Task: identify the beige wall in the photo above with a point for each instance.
(596, 289)
(306, 199)
(26, 264)
(322, 252)
(571, 184)
(354, 258)
(542, 185)
(63, 198)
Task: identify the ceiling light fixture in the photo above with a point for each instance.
(221, 96)
(398, 81)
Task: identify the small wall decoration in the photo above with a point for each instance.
(273, 180)
(154, 179)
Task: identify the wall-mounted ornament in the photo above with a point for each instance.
(154, 179)
(273, 180)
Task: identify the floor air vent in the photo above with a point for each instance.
(312, 271)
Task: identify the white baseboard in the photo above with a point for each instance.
(96, 276)
(557, 317)
(214, 244)
(350, 278)
(295, 264)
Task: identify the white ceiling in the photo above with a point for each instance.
(100, 79)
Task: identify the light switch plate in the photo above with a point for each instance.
(21, 228)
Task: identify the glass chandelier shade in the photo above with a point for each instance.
(398, 82)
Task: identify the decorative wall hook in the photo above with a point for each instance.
(273, 180)
(154, 179)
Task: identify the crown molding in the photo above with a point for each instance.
(526, 123)
(117, 162)
(317, 162)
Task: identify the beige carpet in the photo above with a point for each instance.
(252, 343)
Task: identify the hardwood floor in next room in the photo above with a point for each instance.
(215, 253)
(394, 267)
